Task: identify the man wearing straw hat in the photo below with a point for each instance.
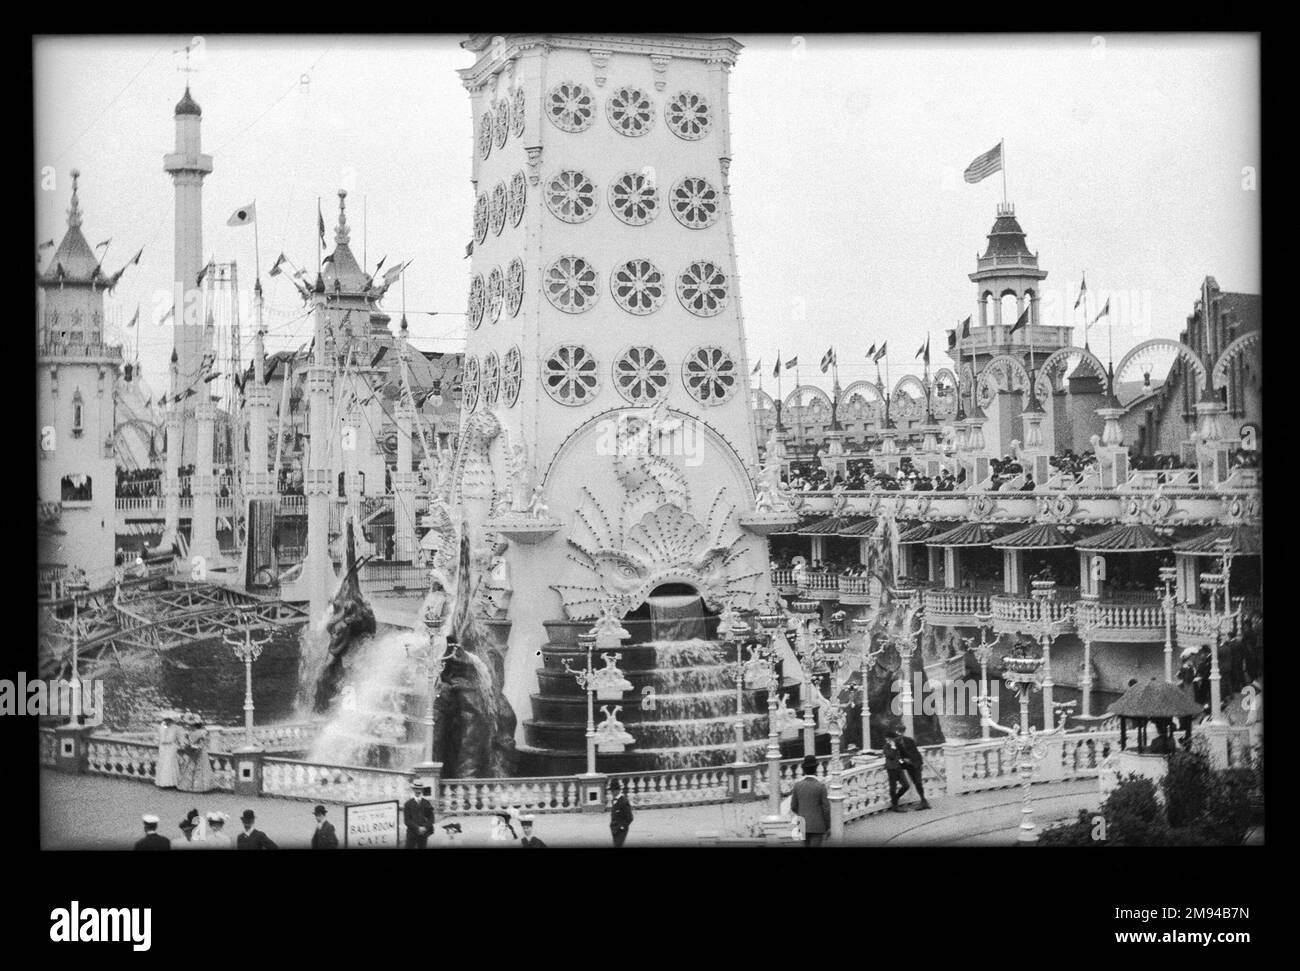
(151, 840)
(417, 813)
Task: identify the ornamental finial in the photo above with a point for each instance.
(74, 212)
(341, 233)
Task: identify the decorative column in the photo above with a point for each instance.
(1112, 453)
(203, 483)
(405, 543)
(317, 568)
(1168, 575)
(259, 483)
(172, 463)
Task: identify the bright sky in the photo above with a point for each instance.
(1126, 157)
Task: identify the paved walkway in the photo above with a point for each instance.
(96, 812)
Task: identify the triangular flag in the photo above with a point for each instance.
(243, 215)
(381, 263)
(871, 352)
(757, 366)
(881, 353)
(1021, 320)
(136, 319)
(275, 270)
(1083, 290)
(171, 312)
(776, 372)
(965, 328)
(104, 243)
(1103, 312)
(46, 245)
(469, 249)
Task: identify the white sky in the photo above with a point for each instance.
(1125, 158)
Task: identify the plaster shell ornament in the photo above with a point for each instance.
(572, 285)
(570, 196)
(634, 198)
(501, 122)
(477, 301)
(630, 111)
(1059, 507)
(490, 380)
(496, 286)
(695, 203)
(485, 135)
(688, 115)
(611, 736)
(641, 375)
(469, 385)
(979, 505)
(497, 208)
(570, 106)
(1157, 508)
(514, 286)
(637, 286)
(608, 681)
(570, 376)
(518, 197)
(702, 288)
(710, 375)
(517, 112)
(511, 373)
(481, 218)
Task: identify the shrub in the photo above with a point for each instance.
(1186, 786)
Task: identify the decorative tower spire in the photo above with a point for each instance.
(341, 234)
(74, 211)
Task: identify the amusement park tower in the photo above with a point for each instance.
(605, 425)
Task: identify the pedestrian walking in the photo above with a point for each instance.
(894, 769)
(913, 764)
(417, 813)
(620, 817)
(167, 771)
(218, 838)
(529, 840)
(252, 838)
(324, 838)
(811, 800)
(191, 837)
(151, 840)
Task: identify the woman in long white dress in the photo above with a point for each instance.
(194, 774)
(216, 837)
(165, 773)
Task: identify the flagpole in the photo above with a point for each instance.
(320, 221)
(257, 250)
(1002, 146)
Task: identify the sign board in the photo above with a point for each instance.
(371, 825)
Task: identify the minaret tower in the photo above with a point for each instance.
(605, 362)
(188, 167)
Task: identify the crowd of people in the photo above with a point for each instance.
(862, 475)
(199, 832)
(139, 483)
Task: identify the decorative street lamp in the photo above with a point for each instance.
(1214, 584)
(1167, 576)
(1048, 624)
(431, 660)
(862, 626)
(760, 671)
(983, 653)
(608, 681)
(905, 643)
(248, 649)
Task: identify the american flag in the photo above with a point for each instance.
(985, 165)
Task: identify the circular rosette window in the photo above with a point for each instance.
(641, 375)
(497, 208)
(496, 294)
(501, 122)
(710, 375)
(469, 384)
(570, 106)
(695, 203)
(485, 135)
(490, 380)
(477, 300)
(688, 115)
(571, 197)
(637, 286)
(481, 218)
(570, 376)
(702, 288)
(630, 111)
(518, 196)
(571, 285)
(514, 286)
(517, 112)
(511, 373)
(634, 197)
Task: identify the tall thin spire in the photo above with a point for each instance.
(74, 210)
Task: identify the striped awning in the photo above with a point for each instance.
(832, 525)
(1244, 541)
(969, 534)
(865, 526)
(1127, 538)
(800, 527)
(1038, 536)
(149, 527)
(922, 533)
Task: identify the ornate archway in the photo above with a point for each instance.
(1051, 373)
(1179, 350)
(1230, 354)
(1002, 373)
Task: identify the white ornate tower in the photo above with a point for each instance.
(605, 363)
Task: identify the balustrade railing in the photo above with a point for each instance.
(818, 580)
(1107, 615)
(483, 797)
(293, 735)
(298, 779)
(1014, 609)
(995, 764)
(49, 746)
(957, 602)
(783, 577)
(855, 585)
(677, 787)
(122, 758)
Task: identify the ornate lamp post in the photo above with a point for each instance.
(1214, 584)
(905, 643)
(77, 588)
(1167, 576)
(983, 653)
(729, 627)
(1046, 628)
(431, 660)
(862, 626)
(248, 649)
(761, 672)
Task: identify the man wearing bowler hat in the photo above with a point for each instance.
(811, 801)
(620, 814)
(324, 838)
(417, 813)
(250, 838)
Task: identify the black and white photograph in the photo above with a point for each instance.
(628, 441)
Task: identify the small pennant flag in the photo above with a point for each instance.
(871, 352)
(320, 223)
(243, 215)
(379, 356)
(1104, 312)
(48, 244)
(924, 351)
(1020, 321)
(828, 359)
(329, 258)
(965, 328)
(171, 312)
(104, 243)
(381, 263)
(469, 249)
(204, 272)
(136, 259)
(392, 275)
(776, 372)
(136, 319)
(881, 353)
(757, 367)
(793, 362)
(208, 378)
(1083, 291)
(275, 270)
(985, 165)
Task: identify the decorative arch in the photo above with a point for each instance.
(1043, 380)
(1231, 353)
(1180, 350)
(760, 400)
(792, 399)
(1007, 368)
(944, 405)
(869, 392)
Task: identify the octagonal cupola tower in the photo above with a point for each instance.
(605, 392)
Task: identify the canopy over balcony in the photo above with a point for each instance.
(831, 525)
(1039, 536)
(1127, 538)
(923, 532)
(801, 527)
(1243, 541)
(864, 526)
(970, 534)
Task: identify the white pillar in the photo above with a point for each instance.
(203, 484)
(317, 569)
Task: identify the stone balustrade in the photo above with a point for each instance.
(783, 578)
(676, 787)
(1015, 613)
(122, 757)
(483, 797)
(948, 607)
(1112, 621)
(995, 764)
(297, 779)
(290, 735)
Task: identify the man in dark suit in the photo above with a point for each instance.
(151, 840)
(620, 816)
(324, 838)
(529, 840)
(914, 764)
(894, 759)
(250, 838)
(811, 801)
(417, 813)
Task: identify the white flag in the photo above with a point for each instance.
(243, 215)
